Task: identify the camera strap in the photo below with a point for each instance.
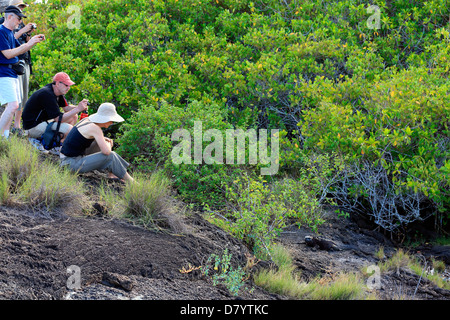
(10, 66)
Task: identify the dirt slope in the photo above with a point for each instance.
(116, 260)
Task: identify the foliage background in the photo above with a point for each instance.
(364, 112)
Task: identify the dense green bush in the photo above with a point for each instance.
(258, 211)
(400, 126)
(365, 108)
(148, 141)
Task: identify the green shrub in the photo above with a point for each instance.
(399, 133)
(257, 211)
(221, 271)
(314, 69)
(147, 140)
(299, 197)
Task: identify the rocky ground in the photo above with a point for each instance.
(355, 247)
(98, 258)
(40, 259)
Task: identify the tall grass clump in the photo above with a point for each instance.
(145, 200)
(343, 286)
(5, 189)
(432, 270)
(5, 192)
(285, 281)
(4, 146)
(400, 259)
(18, 161)
(51, 188)
(39, 186)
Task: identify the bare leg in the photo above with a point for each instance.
(73, 120)
(128, 178)
(17, 118)
(125, 178)
(7, 116)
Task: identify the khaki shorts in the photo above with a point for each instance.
(39, 130)
(24, 81)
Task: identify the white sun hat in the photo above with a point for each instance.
(105, 113)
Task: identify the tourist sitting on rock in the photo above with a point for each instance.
(44, 107)
(86, 148)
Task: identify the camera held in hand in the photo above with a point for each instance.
(84, 113)
(33, 27)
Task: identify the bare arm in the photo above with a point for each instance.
(71, 111)
(26, 29)
(104, 145)
(12, 53)
(94, 131)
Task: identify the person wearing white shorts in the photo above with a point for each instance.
(10, 94)
(23, 35)
(10, 49)
(9, 90)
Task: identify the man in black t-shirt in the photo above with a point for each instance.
(44, 106)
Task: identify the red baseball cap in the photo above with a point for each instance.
(64, 78)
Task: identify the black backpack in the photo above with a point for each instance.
(52, 138)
